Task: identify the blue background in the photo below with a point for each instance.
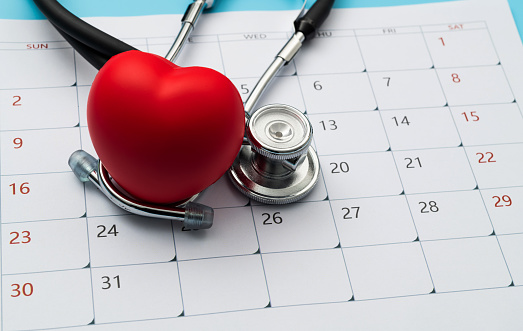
(25, 9)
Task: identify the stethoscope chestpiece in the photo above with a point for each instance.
(279, 165)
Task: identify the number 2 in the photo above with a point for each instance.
(17, 100)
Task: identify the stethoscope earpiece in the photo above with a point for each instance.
(279, 165)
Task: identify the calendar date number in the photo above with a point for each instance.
(17, 238)
(107, 231)
(17, 101)
(338, 168)
(502, 201)
(108, 282)
(428, 207)
(275, 218)
(487, 157)
(23, 290)
(20, 189)
(351, 212)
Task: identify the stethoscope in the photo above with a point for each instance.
(276, 163)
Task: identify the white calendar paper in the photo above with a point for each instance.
(416, 222)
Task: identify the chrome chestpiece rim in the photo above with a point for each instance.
(279, 132)
(279, 166)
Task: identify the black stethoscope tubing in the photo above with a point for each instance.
(96, 46)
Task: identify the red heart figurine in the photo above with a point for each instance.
(163, 132)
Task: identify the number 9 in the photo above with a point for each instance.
(18, 143)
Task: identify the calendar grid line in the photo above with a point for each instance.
(177, 267)
(428, 148)
(497, 241)
(261, 255)
(341, 249)
(220, 50)
(84, 195)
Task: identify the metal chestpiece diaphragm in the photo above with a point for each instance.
(279, 165)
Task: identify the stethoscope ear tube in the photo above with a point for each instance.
(314, 18)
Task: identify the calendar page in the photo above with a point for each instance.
(416, 222)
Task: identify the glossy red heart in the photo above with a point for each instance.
(163, 132)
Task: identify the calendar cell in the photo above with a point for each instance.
(489, 124)
(395, 52)
(330, 53)
(41, 68)
(44, 300)
(434, 170)
(512, 246)
(300, 226)
(450, 215)
(85, 72)
(307, 277)
(461, 48)
(337, 93)
(360, 175)
(466, 264)
(250, 57)
(373, 221)
(200, 54)
(44, 246)
(497, 165)
(349, 133)
(38, 108)
(284, 90)
(420, 128)
(232, 226)
(25, 152)
(223, 194)
(237, 283)
(387, 271)
(130, 239)
(50, 196)
(475, 85)
(136, 292)
(505, 207)
(407, 89)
